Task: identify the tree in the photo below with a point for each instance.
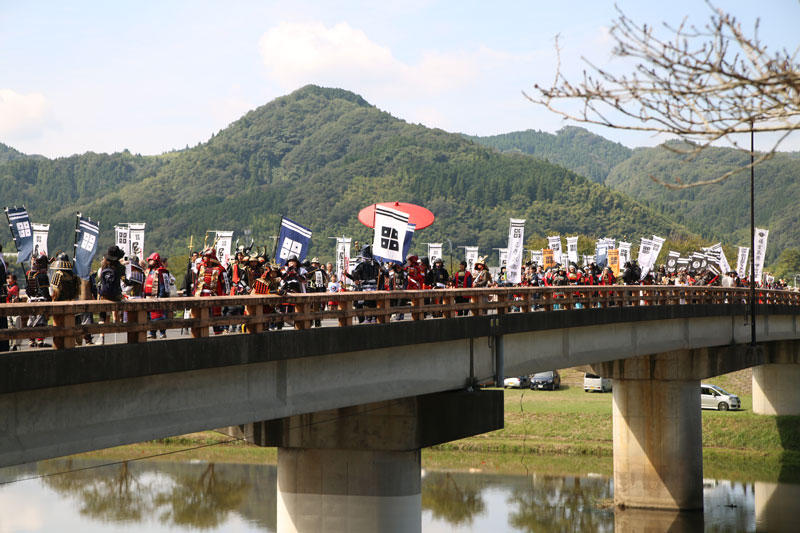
(701, 84)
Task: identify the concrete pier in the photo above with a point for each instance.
(776, 389)
(357, 468)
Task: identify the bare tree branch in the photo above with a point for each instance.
(702, 84)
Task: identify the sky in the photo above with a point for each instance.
(153, 76)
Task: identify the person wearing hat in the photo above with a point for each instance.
(212, 280)
(109, 282)
(317, 281)
(38, 290)
(156, 285)
(462, 280)
(482, 276)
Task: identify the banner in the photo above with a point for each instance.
(40, 232)
(503, 256)
(224, 240)
(741, 260)
(722, 261)
(536, 257)
(624, 252)
(20, 224)
(613, 261)
(601, 253)
(407, 240)
(516, 234)
(760, 252)
(293, 240)
(434, 252)
(86, 235)
(697, 262)
(554, 244)
(391, 227)
(658, 243)
(342, 255)
(547, 258)
(470, 256)
(572, 249)
(645, 251)
(672, 261)
(136, 239)
(588, 260)
(122, 238)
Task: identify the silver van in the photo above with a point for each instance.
(714, 397)
(593, 382)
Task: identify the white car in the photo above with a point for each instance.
(714, 397)
(520, 382)
(593, 382)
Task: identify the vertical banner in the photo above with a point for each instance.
(554, 244)
(21, 232)
(672, 261)
(293, 240)
(536, 257)
(342, 256)
(136, 239)
(122, 238)
(407, 240)
(741, 260)
(434, 252)
(548, 261)
(40, 232)
(224, 241)
(760, 252)
(516, 235)
(503, 256)
(624, 252)
(658, 243)
(645, 251)
(470, 256)
(588, 260)
(722, 261)
(391, 226)
(613, 261)
(86, 236)
(572, 249)
(601, 253)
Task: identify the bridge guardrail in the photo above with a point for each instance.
(301, 310)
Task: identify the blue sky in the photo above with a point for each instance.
(154, 76)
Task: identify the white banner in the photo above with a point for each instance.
(760, 252)
(723, 261)
(503, 253)
(588, 260)
(40, 232)
(624, 253)
(434, 251)
(470, 256)
(658, 243)
(741, 260)
(342, 255)
(554, 243)
(136, 239)
(122, 238)
(572, 249)
(645, 251)
(391, 227)
(536, 257)
(516, 238)
(224, 242)
(611, 244)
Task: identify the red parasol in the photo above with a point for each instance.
(417, 214)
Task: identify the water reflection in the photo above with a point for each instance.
(161, 496)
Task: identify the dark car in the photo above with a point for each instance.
(546, 380)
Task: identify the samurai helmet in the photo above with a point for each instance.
(62, 262)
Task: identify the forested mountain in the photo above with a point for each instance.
(574, 148)
(7, 154)
(320, 155)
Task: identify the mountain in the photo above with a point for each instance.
(574, 148)
(320, 155)
(9, 154)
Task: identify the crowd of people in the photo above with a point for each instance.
(119, 278)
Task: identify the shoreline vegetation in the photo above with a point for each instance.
(564, 432)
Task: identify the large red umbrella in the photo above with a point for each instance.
(417, 215)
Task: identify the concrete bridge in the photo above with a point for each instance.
(350, 407)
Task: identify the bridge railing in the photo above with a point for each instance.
(131, 317)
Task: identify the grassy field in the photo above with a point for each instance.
(560, 432)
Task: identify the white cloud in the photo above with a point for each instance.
(23, 116)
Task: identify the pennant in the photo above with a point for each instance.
(122, 238)
(470, 256)
(40, 232)
(21, 231)
(760, 252)
(391, 227)
(434, 251)
(87, 233)
(658, 243)
(343, 255)
(224, 240)
(516, 242)
(503, 256)
(601, 253)
(741, 261)
(645, 251)
(624, 252)
(572, 249)
(136, 239)
(536, 257)
(294, 240)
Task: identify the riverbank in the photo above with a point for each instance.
(561, 432)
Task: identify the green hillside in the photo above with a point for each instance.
(320, 155)
(574, 148)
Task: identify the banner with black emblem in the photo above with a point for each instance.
(391, 226)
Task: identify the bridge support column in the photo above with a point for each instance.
(776, 386)
(358, 468)
(658, 460)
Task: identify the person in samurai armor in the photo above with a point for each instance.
(269, 283)
(366, 276)
(397, 282)
(65, 286)
(156, 285)
(482, 276)
(317, 282)
(212, 280)
(415, 273)
(38, 290)
(462, 280)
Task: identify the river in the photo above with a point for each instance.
(198, 496)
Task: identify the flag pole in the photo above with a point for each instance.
(278, 236)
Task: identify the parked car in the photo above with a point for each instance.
(518, 382)
(593, 382)
(714, 397)
(550, 379)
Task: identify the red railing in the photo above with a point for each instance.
(301, 310)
